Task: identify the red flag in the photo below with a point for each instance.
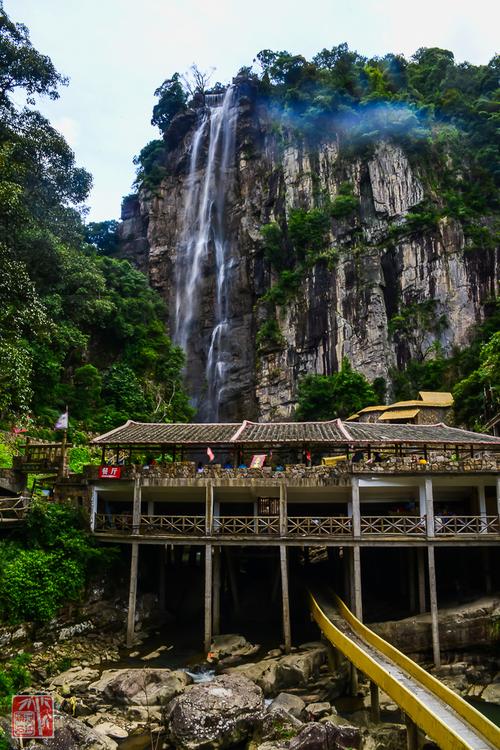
(210, 454)
(308, 455)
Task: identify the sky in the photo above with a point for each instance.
(117, 52)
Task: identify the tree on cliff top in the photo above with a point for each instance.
(172, 99)
(322, 397)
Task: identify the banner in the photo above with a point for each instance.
(110, 472)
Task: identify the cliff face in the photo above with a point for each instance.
(343, 304)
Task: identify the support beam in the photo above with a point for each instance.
(283, 509)
(151, 507)
(481, 496)
(216, 590)
(411, 734)
(132, 594)
(434, 607)
(429, 506)
(356, 511)
(93, 508)
(136, 511)
(285, 598)
(421, 579)
(208, 597)
(374, 702)
(358, 599)
(209, 508)
(162, 594)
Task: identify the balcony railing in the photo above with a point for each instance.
(298, 526)
(13, 509)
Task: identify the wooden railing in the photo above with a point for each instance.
(298, 526)
(322, 526)
(13, 509)
(460, 525)
(389, 525)
(250, 525)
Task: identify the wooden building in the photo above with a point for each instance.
(389, 485)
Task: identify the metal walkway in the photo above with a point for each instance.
(445, 717)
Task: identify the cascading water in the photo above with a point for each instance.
(205, 244)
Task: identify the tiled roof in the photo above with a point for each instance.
(398, 414)
(412, 433)
(140, 433)
(159, 433)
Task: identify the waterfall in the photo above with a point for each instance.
(205, 247)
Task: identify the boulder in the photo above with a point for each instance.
(72, 734)
(217, 714)
(385, 737)
(141, 687)
(110, 729)
(278, 725)
(264, 673)
(316, 736)
(273, 675)
(491, 693)
(74, 680)
(291, 704)
(316, 711)
(230, 648)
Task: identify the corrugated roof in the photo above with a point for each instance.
(398, 414)
(437, 398)
(336, 431)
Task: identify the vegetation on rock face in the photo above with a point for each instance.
(333, 396)
(48, 565)
(77, 327)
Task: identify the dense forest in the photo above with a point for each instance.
(77, 328)
(81, 328)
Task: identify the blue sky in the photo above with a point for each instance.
(116, 52)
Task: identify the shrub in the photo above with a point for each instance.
(269, 336)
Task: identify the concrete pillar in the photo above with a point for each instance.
(208, 597)
(358, 599)
(136, 511)
(162, 594)
(132, 594)
(209, 508)
(285, 598)
(481, 496)
(429, 506)
(374, 702)
(434, 607)
(421, 579)
(498, 496)
(93, 508)
(411, 734)
(411, 580)
(356, 511)
(283, 509)
(216, 589)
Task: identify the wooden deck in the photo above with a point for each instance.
(299, 529)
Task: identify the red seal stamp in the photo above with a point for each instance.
(32, 716)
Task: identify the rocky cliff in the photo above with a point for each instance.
(381, 262)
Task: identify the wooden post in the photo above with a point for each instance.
(216, 590)
(285, 598)
(429, 506)
(162, 597)
(358, 599)
(208, 597)
(64, 462)
(411, 734)
(209, 508)
(283, 509)
(421, 579)
(136, 510)
(374, 702)
(356, 511)
(132, 594)
(434, 607)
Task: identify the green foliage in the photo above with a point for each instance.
(269, 336)
(172, 99)
(308, 231)
(345, 203)
(274, 246)
(323, 397)
(150, 166)
(285, 288)
(50, 566)
(414, 323)
(14, 677)
(71, 316)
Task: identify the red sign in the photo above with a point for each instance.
(32, 716)
(110, 472)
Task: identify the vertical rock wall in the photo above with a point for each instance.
(341, 309)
